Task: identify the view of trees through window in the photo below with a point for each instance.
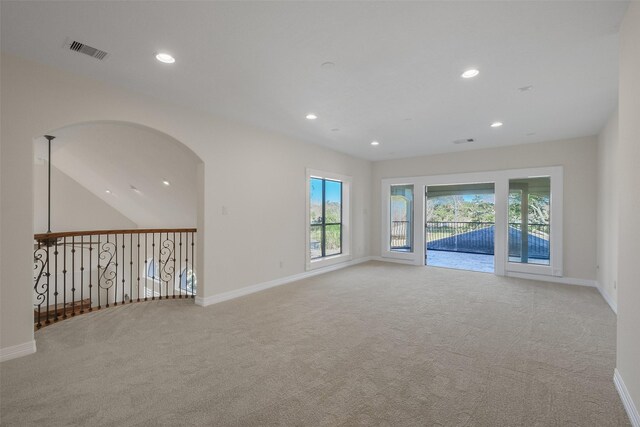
(529, 220)
(401, 225)
(325, 215)
(461, 208)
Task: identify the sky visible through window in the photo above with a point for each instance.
(333, 191)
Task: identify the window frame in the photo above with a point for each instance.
(345, 235)
(500, 179)
(410, 216)
(324, 223)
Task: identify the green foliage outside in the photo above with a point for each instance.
(333, 212)
(538, 208)
(460, 209)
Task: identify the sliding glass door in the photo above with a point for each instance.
(460, 226)
(513, 215)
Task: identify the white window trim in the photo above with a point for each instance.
(345, 256)
(501, 181)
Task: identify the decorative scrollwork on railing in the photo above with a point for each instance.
(78, 271)
(107, 270)
(167, 261)
(41, 278)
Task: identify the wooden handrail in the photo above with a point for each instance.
(47, 236)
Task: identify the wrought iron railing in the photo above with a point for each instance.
(459, 236)
(537, 241)
(78, 272)
(478, 237)
(400, 235)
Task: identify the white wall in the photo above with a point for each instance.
(628, 354)
(608, 199)
(258, 176)
(116, 156)
(73, 207)
(578, 156)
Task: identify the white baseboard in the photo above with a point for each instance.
(554, 279)
(16, 351)
(225, 296)
(396, 260)
(629, 406)
(608, 299)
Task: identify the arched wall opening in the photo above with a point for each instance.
(116, 175)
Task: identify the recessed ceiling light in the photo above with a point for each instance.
(496, 124)
(470, 73)
(311, 116)
(167, 183)
(525, 88)
(327, 65)
(165, 57)
(335, 130)
(108, 191)
(374, 143)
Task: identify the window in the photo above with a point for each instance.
(521, 224)
(328, 216)
(401, 216)
(188, 281)
(530, 220)
(325, 214)
(152, 268)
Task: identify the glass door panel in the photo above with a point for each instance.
(401, 215)
(529, 230)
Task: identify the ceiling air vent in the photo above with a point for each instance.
(86, 49)
(463, 141)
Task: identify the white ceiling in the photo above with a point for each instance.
(397, 68)
(114, 156)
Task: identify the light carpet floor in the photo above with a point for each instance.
(374, 344)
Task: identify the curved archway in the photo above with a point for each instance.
(118, 175)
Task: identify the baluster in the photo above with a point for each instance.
(174, 266)
(193, 265)
(73, 275)
(90, 273)
(39, 266)
(82, 274)
(40, 305)
(153, 279)
(55, 281)
(130, 267)
(106, 272)
(166, 262)
(123, 265)
(186, 263)
(64, 278)
(180, 266)
(138, 264)
(98, 261)
(115, 283)
(160, 266)
(146, 268)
